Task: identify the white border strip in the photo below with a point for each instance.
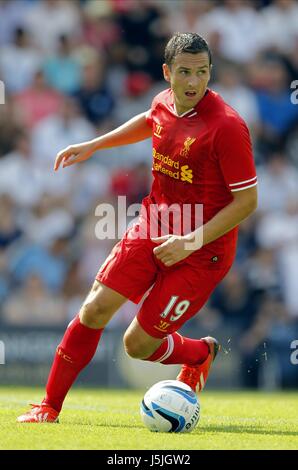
(242, 182)
(174, 112)
(245, 187)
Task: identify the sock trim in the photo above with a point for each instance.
(169, 350)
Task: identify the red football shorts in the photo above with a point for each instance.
(176, 293)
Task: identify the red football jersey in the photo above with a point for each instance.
(200, 157)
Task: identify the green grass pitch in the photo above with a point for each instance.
(109, 419)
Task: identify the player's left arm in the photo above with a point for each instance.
(176, 248)
(243, 205)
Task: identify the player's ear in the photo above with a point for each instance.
(210, 71)
(166, 72)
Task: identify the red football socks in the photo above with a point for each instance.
(177, 349)
(75, 351)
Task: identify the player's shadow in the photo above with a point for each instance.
(109, 425)
(232, 429)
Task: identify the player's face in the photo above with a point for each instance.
(188, 76)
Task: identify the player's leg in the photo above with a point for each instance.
(139, 344)
(128, 272)
(76, 350)
(176, 296)
(80, 341)
(172, 349)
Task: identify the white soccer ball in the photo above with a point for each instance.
(170, 406)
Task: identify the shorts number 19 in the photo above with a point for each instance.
(180, 308)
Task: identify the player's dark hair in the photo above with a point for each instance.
(191, 43)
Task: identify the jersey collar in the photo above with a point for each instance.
(191, 112)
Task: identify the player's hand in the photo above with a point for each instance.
(172, 249)
(73, 154)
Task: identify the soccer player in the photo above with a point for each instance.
(201, 155)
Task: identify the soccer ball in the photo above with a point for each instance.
(170, 406)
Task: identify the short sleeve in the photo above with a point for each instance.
(150, 112)
(234, 151)
(149, 117)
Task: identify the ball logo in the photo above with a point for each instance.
(194, 419)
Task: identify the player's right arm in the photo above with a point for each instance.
(134, 130)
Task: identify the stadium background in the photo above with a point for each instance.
(75, 69)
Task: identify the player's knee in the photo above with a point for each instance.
(134, 347)
(94, 314)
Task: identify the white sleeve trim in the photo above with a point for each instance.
(245, 187)
(242, 182)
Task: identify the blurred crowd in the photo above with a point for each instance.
(74, 69)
